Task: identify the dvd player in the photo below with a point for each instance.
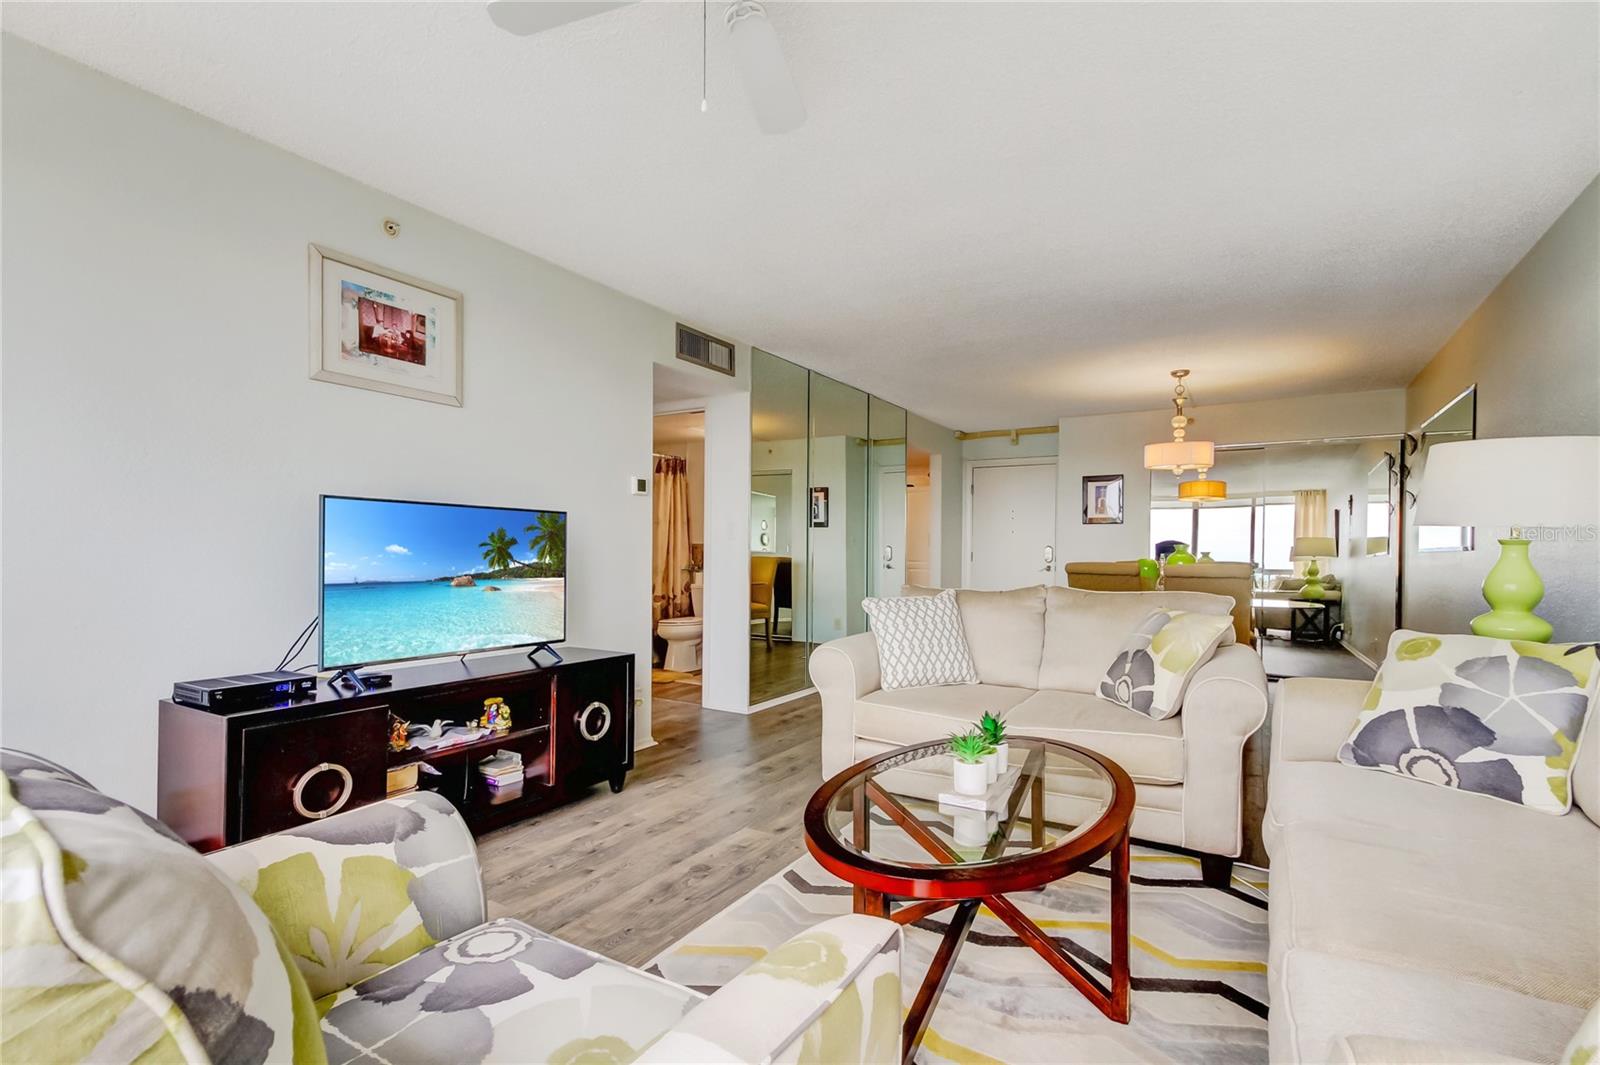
(244, 691)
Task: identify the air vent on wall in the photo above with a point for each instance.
(705, 350)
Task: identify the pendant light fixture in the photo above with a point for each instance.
(1181, 454)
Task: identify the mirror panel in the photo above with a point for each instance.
(839, 472)
(778, 458)
(1457, 421)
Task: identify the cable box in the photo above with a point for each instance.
(245, 690)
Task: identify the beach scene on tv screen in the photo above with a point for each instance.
(407, 580)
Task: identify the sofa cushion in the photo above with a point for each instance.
(1496, 717)
(1151, 751)
(920, 641)
(174, 959)
(502, 992)
(900, 716)
(1317, 998)
(1005, 633)
(1491, 906)
(1084, 631)
(1158, 658)
(1584, 1046)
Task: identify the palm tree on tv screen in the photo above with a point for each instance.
(549, 539)
(497, 550)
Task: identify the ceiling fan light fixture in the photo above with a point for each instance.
(527, 17)
(758, 56)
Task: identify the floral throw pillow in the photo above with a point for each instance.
(1152, 671)
(1497, 717)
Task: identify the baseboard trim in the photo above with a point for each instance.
(1369, 663)
(782, 699)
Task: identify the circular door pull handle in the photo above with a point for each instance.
(594, 731)
(337, 804)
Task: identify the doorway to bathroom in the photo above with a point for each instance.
(677, 555)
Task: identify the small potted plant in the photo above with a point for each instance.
(971, 775)
(993, 729)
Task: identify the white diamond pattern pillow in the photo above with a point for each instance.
(920, 641)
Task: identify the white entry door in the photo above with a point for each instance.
(889, 567)
(1011, 526)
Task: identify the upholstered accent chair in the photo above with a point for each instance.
(763, 583)
(363, 937)
(1232, 579)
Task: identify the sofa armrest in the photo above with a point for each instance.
(1312, 717)
(832, 993)
(1226, 702)
(353, 894)
(843, 670)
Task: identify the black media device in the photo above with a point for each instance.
(244, 691)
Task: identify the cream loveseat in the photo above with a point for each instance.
(1414, 923)
(1040, 653)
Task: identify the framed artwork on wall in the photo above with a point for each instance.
(378, 329)
(1102, 499)
(819, 508)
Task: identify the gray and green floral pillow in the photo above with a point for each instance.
(1497, 717)
(1152, 671)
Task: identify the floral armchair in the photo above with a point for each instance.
(371, 927)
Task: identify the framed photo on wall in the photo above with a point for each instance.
(819, 508)
(378, 329)
(1102, 499)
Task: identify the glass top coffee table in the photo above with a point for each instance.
(882, 826)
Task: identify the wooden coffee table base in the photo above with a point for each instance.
(1113, 1001)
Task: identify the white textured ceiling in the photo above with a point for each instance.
(997, 214)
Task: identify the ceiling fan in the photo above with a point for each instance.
(756, 52)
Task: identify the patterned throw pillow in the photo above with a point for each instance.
(920, 640)
(1152, 671)
(1498, 717)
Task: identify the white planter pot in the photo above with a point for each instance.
(991, 766)
(971, 778)
(974, 827)
(1002, 756)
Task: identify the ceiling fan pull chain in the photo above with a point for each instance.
(704, 35)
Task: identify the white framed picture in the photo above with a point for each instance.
(374, 328)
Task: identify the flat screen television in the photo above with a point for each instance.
(403, 580)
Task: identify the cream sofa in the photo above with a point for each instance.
(1040, 653)
(1416, 923)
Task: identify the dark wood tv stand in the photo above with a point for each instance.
(225, 778)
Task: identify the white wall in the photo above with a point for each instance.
(163, 447)
(725, 642)
(1114, 443)
(1533, 350)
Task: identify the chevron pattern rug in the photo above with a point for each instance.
(1199, 965)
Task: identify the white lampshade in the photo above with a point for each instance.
(1177, 455)
(1524, 480)
(1313, 547)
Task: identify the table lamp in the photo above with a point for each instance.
(1516, 482)
(1309, 549)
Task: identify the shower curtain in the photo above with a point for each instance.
(671, 539)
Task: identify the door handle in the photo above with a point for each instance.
(888, 556)
(1049, 557)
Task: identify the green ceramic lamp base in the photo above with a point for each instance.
(1513, 589)
(1312, 588)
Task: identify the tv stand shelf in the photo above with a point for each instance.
(224, 778)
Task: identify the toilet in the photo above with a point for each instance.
(683, 638)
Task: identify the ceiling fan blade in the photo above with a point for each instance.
(527, 17)
(758, 56)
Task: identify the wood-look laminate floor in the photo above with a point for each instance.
(777, 670)
(708, 813)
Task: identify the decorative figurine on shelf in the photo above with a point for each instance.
(399, 735)
(496, 715)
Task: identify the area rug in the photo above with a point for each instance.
(1199, 965)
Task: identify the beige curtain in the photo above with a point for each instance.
(670, 579)
(1310, 517)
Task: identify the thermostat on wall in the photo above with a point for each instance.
(638, 486)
